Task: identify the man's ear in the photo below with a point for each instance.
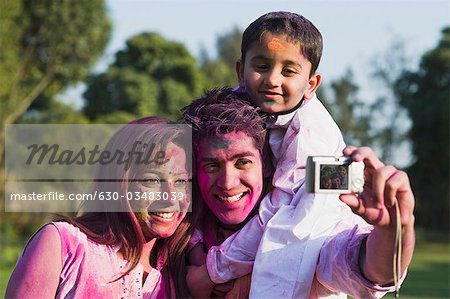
(313, 84)
(240, 73)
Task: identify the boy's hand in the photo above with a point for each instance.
(198, 281)
(384, 186)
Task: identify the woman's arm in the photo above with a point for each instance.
(38, 270)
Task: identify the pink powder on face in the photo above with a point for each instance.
(171, 152)
(225, 172)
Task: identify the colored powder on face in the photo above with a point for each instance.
(275, 45)
(171, 153)
(221, 144)
(142, 214)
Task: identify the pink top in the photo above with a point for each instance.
(88, 269)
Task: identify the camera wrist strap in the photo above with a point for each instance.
(397, 260)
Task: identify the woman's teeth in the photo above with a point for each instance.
(165, 215)
(231, 198)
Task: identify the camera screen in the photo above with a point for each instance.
(333, 177)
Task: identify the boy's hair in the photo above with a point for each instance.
(295, 27)
(222, 111)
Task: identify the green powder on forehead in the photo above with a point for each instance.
(220, 144)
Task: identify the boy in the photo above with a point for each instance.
(280, 53)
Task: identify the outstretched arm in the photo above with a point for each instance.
(384, 188)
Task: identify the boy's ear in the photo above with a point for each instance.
(313, 84)
(240, 73)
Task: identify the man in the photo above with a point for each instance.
(225, 146)
(228, 136)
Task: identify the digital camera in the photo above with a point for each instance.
(328, 174)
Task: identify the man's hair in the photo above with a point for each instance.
(222, 111)
(295, 27)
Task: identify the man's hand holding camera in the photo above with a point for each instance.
(384, 188)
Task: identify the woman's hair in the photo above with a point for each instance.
(116, 224)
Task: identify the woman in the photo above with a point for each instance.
(131, 248)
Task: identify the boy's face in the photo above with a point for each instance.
(276, 74)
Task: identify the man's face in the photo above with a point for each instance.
(276, 74)
(229, 176)
(342, 171)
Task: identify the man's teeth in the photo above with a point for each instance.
(166, 215)
(231, 198)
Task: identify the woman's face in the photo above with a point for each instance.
(164, 190)
(326, 183)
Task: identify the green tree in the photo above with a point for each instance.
(379, 122)
(220, 71)
(46, 46)
(57, 113)
(150, 76)
(390, 134)
(425, 94)
(350, 113)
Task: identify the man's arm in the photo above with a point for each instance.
(384, 189)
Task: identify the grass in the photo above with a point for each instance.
(428, 275)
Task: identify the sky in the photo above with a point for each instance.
(355, 32)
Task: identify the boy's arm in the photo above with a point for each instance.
(235, 256)
(385, 188)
